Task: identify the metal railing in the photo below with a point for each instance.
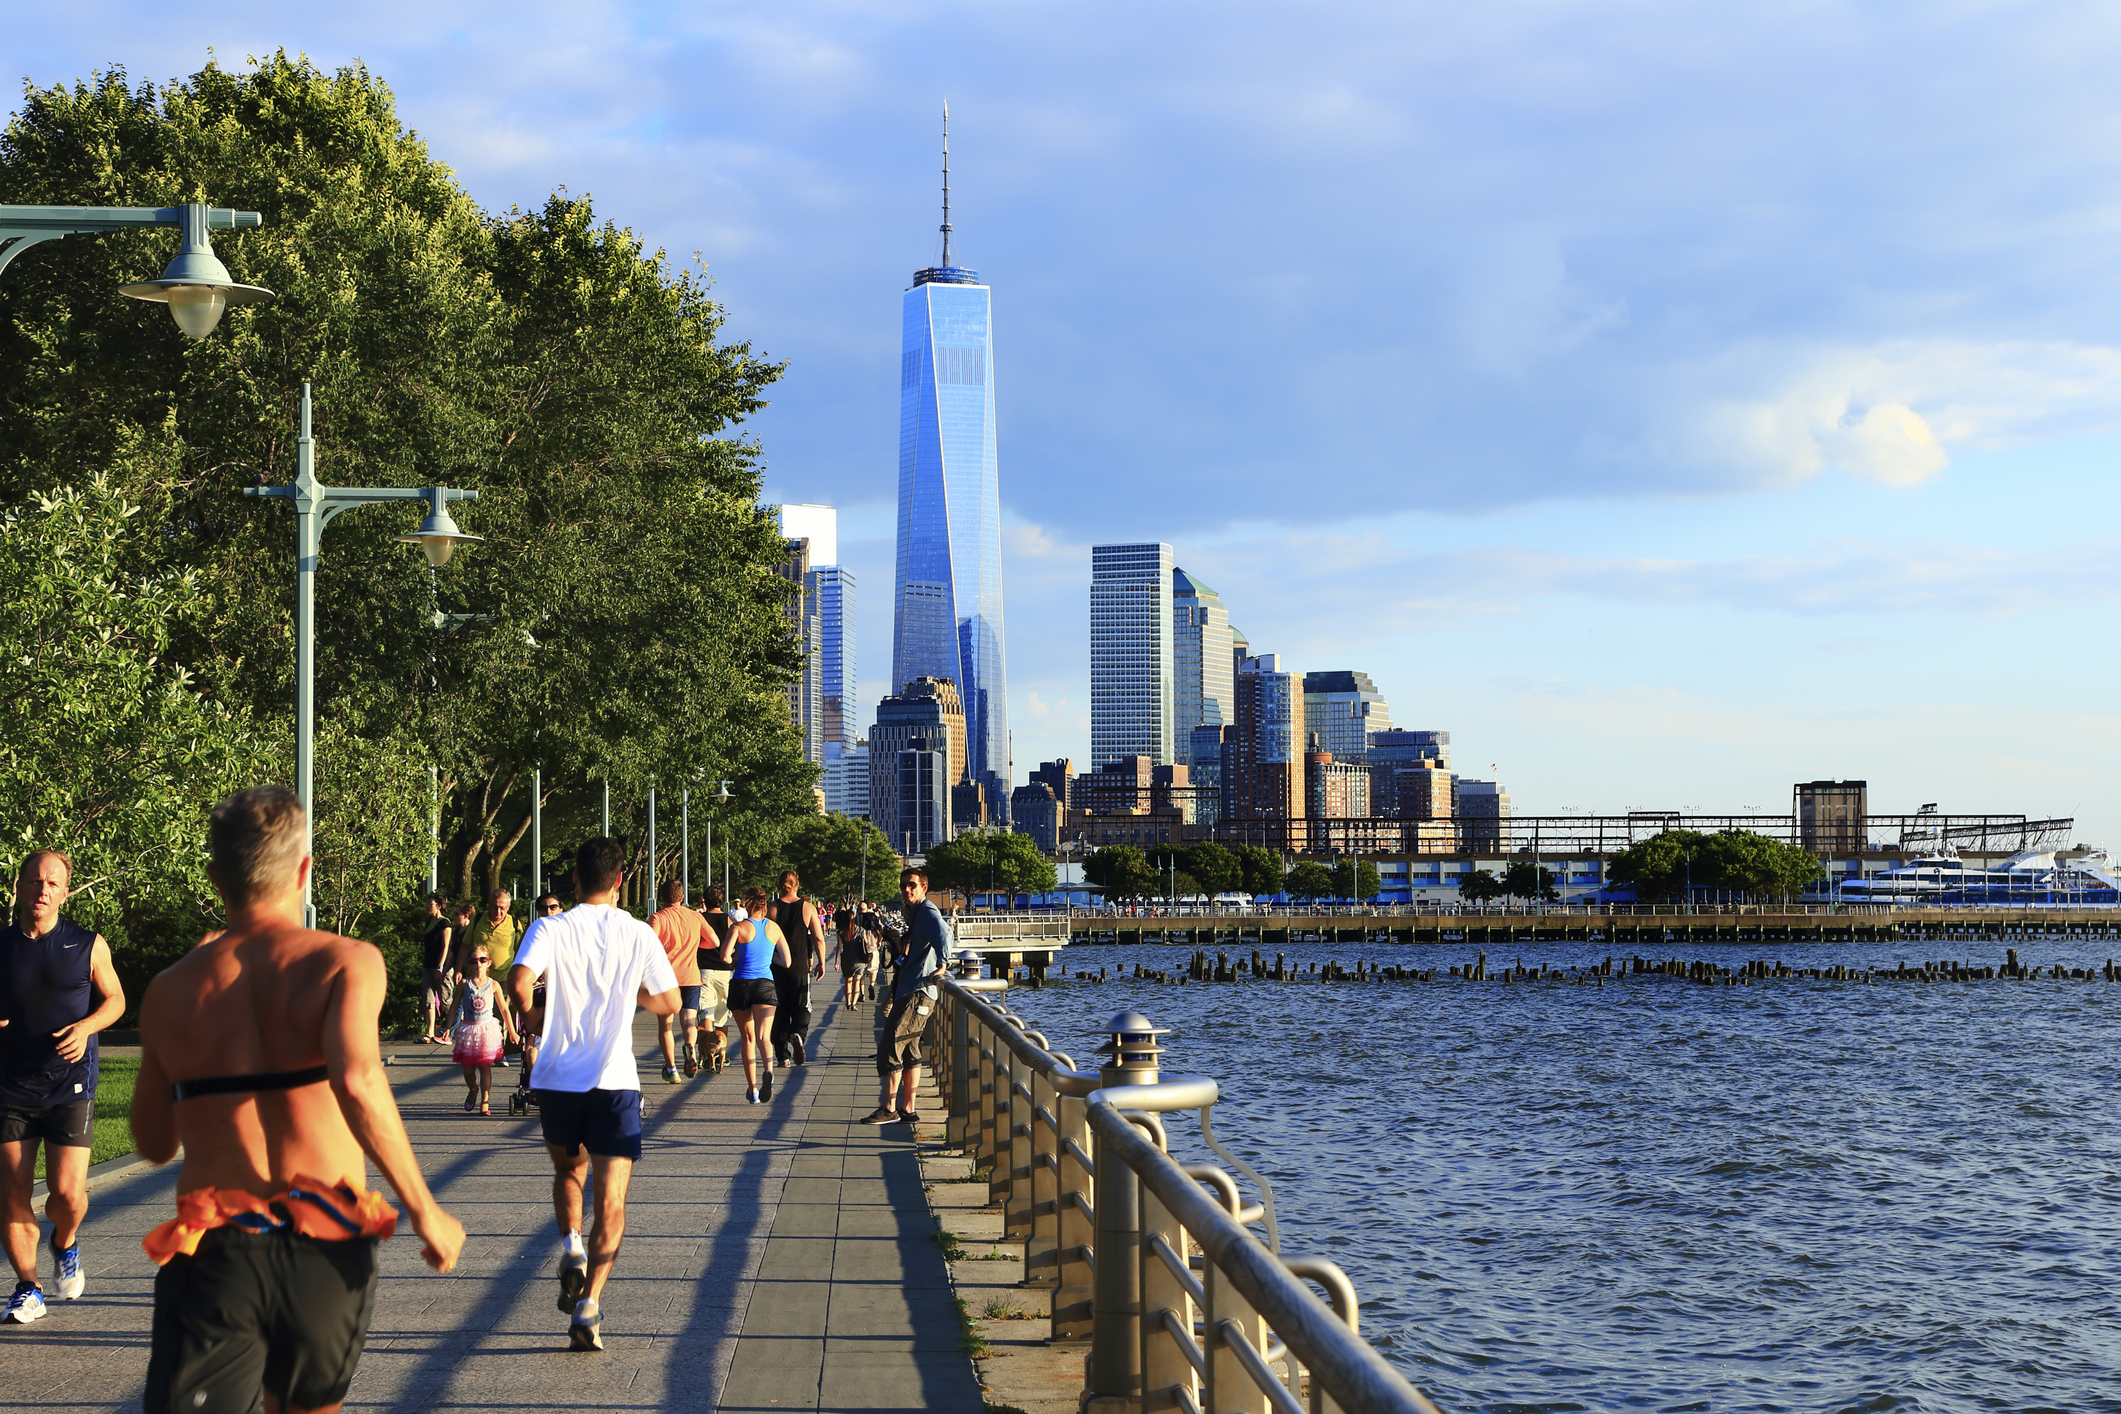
(1152, 1262)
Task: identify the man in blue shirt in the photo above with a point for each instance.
(923, 952)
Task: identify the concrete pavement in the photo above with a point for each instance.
(777, 1257)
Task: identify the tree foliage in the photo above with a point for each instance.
(622, 620)
(1010, 861)
(828, 851)
(1730, 861)
(1480, 886)
(1524, 879)
(1354, 879)
(1123, 871)
(1261, 870)
(1309, 880)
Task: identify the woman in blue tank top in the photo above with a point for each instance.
(754, 946)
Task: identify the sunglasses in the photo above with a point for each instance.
(482, 958)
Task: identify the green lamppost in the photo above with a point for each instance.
(197, 287)
(316, 506)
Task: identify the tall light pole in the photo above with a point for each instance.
(723, 798)
(649, 902)
(685, 837)
(196, 285)
(316, 506)
(537, 827)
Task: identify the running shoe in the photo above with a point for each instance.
(751, 1094)
(881, 1115)
(765, 1087)
(801, 1057)
(68, 1260)
(26, 1305)
(574, 1278)
(670, 1074)
(585, 1331)
(910, 1116)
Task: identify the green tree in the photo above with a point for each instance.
(1009, 860)
(1123, 871)
(623, 620)
(1480, 886)
(828, 851)
(1215, 870)
(109, 750)
(1523, 879)
(1309, 880)
(1261, 870)
(1354, 879)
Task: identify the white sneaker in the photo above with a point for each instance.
(586, 1330)
(574, 1277)
(26, 1305)
(71, 1282)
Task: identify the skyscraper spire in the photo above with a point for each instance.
(946, 183)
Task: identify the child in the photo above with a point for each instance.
(480, 1021)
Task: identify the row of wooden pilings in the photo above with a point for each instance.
(1201, 969)
(1618, 931)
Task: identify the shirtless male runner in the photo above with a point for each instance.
(259, 1058)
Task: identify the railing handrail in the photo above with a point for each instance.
(1347, 1365)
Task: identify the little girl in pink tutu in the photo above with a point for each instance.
(475, 1035)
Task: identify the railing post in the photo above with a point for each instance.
(1230, 1386)
(1023, 1122)
(988, 1100)
(1042, 1243)
(1073, 1292)
(999, 1177)
(1164, 1369)
(955, 1132)
(1113, 1380)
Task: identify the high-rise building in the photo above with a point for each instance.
(806, 692)
(1057, 776)
(1484, 806)
(1204, 675)
(1263, 759)
(847, 780)
(1130, 653)
(1333, 790)
(1206, 766)
(1343, 708)
(1035, 811)
(1240, 649)
(916, 757)
(1832, 816)
(824, 700)
(947, 594)
(1410, 775)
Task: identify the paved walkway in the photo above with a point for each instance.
(777, 1257)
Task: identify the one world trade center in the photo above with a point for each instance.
(948, 612)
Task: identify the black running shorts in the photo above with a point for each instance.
(275, 1312)
(900, 1046)
(748, 992)
(606, 1122)
(70, 1126)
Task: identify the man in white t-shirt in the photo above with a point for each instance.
(598, 963)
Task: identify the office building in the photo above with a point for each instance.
(1410, 775)
(1131, 686)
(1138, 785)
(824, 701)
(908, 800)
(806, 692)
(1203, 672)
(847, 779)
(1035, 811)
(968, 807)
(1343, 708)
(947, 591)
(1205, 765)
(1240, 649)
(1832, 816)
(1485, 806)
(1333, 790)
(1263, 759)
(1057, 776)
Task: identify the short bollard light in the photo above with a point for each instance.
(1133, 1050)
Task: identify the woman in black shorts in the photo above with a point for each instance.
(754, 946)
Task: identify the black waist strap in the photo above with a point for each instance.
(250, 1084)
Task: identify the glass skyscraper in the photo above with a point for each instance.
(947, 609)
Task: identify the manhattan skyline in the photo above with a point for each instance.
(1672, 387)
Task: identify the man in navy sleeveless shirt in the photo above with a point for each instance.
(57, 990)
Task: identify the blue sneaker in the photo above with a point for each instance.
(26, 1305)
(68, 1259)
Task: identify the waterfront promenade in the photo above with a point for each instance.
(777, 1257)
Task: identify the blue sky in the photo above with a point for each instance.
(1671, 401)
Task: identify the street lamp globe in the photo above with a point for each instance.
(196, 286)
(438, 536)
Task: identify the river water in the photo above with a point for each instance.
(1794, 1195)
